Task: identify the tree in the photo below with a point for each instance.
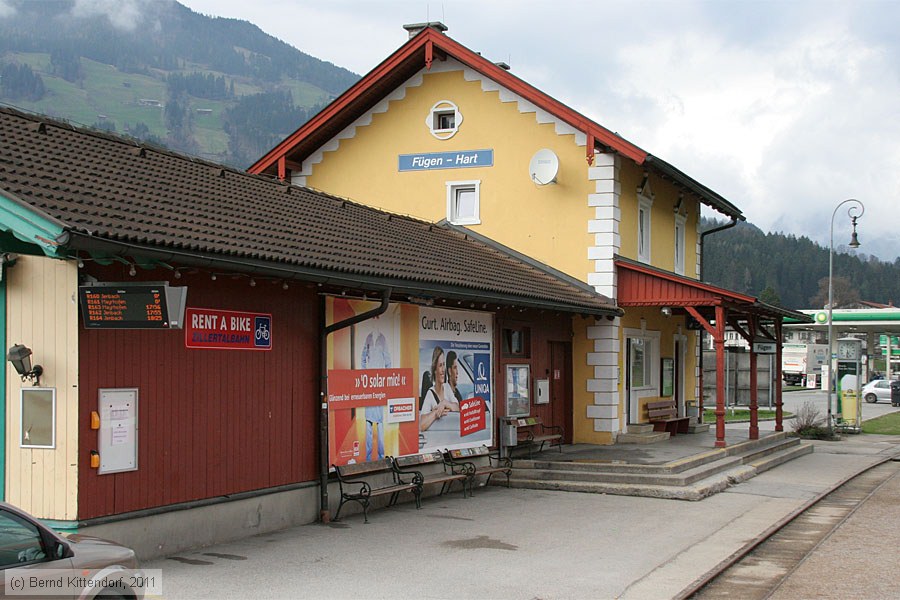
(843, 293)
(770, 296)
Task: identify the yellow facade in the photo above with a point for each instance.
(37, 319)
(537, 221)
(556, 224)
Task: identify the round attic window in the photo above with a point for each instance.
(443, 120)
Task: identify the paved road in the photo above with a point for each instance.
(520, 543)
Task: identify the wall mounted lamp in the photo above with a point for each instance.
(666, 311)
(20, 357)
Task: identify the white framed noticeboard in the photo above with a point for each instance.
(118, 430)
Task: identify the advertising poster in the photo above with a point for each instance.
(383, 371)
(455, 391)
(847, 398)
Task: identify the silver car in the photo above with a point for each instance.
(34, 559)
(880, 389)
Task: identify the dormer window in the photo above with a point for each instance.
(444, 120)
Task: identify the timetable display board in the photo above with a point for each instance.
(132, 306)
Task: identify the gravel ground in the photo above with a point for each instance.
(857, 560)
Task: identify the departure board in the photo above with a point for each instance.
(124, 307)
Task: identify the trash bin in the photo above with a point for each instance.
(895, 393)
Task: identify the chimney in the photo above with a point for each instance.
(415, 28)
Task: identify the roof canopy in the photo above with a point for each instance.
(417, 54)
(643, 285)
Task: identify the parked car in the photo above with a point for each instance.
(71, 566)
(879, 389)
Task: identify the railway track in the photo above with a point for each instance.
(762, 566)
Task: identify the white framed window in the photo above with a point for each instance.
(444, 119)
(643, 359)
(644, 206)
(38, 413)
(463, 202)
(679, 243)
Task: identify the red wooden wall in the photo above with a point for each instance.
(210, 422)
(543, 328)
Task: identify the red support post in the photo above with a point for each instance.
(719, 342)
(754, 402)
(779, 407)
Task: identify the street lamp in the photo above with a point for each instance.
(854, 243)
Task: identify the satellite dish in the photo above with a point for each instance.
(543, 167)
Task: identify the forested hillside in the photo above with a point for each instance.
(792, 271)
(213, 87)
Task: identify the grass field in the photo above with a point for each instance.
(888, 424)
(740, 415)
(111, 96)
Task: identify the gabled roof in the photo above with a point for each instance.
(418, 53)
(64, 190)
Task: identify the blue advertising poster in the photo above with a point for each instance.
(455, 393)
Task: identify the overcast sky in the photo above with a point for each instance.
(785, 108)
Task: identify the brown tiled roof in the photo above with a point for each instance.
(111, 192)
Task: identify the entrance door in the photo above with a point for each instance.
(561, 386)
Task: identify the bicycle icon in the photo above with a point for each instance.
(262, 335)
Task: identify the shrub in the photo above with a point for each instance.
(809, 422)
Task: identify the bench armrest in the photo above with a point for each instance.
(365, 489)
(405, 475)
(499, 461)
(553, 428)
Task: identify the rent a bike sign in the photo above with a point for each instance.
(227, 330)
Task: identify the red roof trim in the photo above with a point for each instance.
(432, 38)
(714, 294)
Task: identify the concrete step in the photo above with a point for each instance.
(691, 478)
(647, 477)
(651, 437)
(773, 460)
(640, 428)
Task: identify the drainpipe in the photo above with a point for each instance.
(324, 514)
(703, 234)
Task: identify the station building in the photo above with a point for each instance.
(440, 132)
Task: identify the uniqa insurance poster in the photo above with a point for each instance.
(411, 380)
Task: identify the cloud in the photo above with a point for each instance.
(122, 14)
(6, 9)
(784, 108)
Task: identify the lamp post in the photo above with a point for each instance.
(854, 243)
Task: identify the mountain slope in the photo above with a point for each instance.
(218, 88)
(791, 267)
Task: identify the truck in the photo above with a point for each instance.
(801, 361)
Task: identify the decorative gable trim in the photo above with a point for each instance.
(449, 65)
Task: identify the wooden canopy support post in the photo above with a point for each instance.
(749, 334)
(779, 407)
(754, 388)
(718, 335)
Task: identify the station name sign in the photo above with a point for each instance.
(764, 347)
(462, 159)
(131, 306)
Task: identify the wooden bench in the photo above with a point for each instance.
(404, 465)
(362, 491)
(664, 416)
(531, 430)
(465, 457)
